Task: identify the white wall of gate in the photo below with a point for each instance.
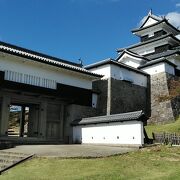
(123, 133)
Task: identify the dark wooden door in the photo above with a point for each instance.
(53, 121)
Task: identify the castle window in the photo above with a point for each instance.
(162, 48)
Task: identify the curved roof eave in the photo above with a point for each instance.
(155, 24)
(38, 57)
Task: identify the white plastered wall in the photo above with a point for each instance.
(125, 133)
(130, 60)
(121, 73)
(159, 68)
(150, 21)
(59, 75)
(176, 61)
(104, 70)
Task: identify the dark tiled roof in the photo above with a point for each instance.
(98, 63)
(164, 54)
(132, 54)
(130, 116)
(31, 53)
(149, 41)
(42, 58)
(176, 48)
(155, 24)
(156, 62)
(112, 61)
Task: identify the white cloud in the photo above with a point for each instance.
(178, 5)
(174, 18)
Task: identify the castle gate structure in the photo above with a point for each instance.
(45, 85)
(56, 92)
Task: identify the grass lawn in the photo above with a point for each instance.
(171, 127)
(160, 162)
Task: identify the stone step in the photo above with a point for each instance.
(11, 153)
(10, 159)
(5, 159)
(5, 163)
(11, 156)
(10, 142)
(4, 166)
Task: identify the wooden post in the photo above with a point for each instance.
(42, 120)
(109, 97)
(62, 122)
(22, 121)
(4, 119)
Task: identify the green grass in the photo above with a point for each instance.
(171, 128)
(159, 162)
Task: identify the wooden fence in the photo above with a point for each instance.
(167, 138)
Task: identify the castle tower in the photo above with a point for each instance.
(158, 54)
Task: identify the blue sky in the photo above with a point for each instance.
(73, 29)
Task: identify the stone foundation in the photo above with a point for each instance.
(117, 96)
(128, 97)
(163, 109)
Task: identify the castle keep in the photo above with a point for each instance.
(158, 54)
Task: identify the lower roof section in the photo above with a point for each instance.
(116, 63)
(157, 61)
(130, 116)
(45, 59)
(167, 53)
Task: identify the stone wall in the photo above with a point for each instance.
(163, 109)
(73, 112)
(117, 96)
(128, 97)
(101, 86)
(175, 102)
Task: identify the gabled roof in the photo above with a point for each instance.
(126, 51)
(130, 116)
(149, 41)
(150, 15)
(164, 54)
(112, 61)
(156, 62)
(155, 24)
(42, 58)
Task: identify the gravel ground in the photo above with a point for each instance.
(71, 150)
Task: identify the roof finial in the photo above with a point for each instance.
(80, 62)
(150, 12)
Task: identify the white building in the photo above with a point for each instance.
(125, 129)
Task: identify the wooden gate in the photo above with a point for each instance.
(53, 121)
(33, 122)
